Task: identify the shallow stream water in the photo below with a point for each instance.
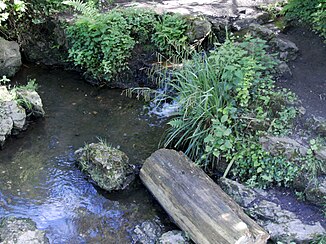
(38, 175)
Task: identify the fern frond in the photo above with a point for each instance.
(176, 123)
(86, 9)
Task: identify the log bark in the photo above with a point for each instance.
(196, 204)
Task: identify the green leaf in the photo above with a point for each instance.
(224, 118)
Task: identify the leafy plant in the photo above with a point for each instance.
(313, 166)
(170, 34)
(85, 8)
(101, 44)
(141, 23)
(225, 100)
(312, 12)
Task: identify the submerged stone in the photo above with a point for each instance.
(107, 166)
(173, 236)
(20, 231)
(147, 233)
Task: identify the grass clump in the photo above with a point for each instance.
(226, 103)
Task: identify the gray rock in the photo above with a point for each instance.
(242, 195)
(261, 32)
(173, 237)
(289, 147)
(12, 115)
(284, 145)
(287, 49)
(281, 224)
(283, 70)
(284, 225)
(321, 128)
(316, 192)
(20, 231)
(147, 233)
(199, 29)
(321, 154)
(246, 18)
(10, 58)
(107, 166)
(34, 100)
(12, 108)
(5, 95)
(16, 113)
(317, 125)
(6, 125)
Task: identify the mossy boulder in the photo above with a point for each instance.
(107, 166)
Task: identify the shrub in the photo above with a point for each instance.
(225, 103)
(170, 34)
(101, 44)
(312, 12)
(141, 23)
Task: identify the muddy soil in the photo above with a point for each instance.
(309, 71)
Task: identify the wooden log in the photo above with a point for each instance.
(196, 204)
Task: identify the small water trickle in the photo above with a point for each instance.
(162, 105)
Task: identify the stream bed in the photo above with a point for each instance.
(38, 175)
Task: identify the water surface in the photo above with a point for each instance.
(38, 175)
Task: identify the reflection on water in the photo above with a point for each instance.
(38, 176)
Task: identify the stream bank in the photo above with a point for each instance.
(65, 134)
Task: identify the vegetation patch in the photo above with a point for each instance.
(312, 12)
(101, 43)
(228, 99)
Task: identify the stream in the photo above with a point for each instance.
(39, 178)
